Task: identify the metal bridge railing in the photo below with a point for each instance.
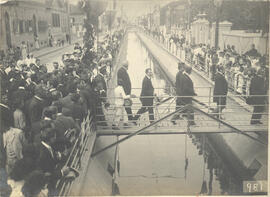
(190, 109)
(232, 113)
(75, 157)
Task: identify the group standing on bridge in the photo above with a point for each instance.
(146, 97)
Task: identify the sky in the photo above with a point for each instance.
(139, 7)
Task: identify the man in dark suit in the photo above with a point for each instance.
(147, 97)
(66, 101)
(123, 75)
(35, 105)
(258, 96)
(188, 92)
(62, 122)
(179, 82)
(49, 159)
(252, 52)
(220, 90)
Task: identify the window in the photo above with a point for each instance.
(16, 26)
(28, 26)
(21, 26)
(55, 20)
(42, 26)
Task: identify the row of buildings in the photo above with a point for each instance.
(37, 20)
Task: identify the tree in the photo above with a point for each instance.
(93, 9)
(244, 15)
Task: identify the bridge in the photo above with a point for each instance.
(239, 147)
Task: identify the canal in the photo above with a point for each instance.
(167, 164)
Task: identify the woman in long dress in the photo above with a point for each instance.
(37, 42)
(24, 50)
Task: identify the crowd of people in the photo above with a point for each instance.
(238, 68)
(15, 53)
(42, 111)
(246, 74)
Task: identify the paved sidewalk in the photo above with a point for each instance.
(48, 50)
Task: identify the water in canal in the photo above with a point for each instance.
(167, 164)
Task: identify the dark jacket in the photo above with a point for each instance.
(2, 152)
(91, 98)
(47, 163)
(66, 101)
(252, 52)
(179, 82)
(34, 109)
(147, 91)
(4, 81)
(257, 87)
(220, 89)
(188, 90)
(123, 74)
(78, 112)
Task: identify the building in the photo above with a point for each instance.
(172, 15)
(26, 20)
(77, 17)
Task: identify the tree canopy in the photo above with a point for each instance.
(245, 15)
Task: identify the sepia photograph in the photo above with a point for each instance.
(134, 98)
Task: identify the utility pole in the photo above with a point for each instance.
(218, 4)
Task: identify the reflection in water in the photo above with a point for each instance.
(229, 184)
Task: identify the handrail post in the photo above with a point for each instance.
(209, 99)
(139, 131)
(228, 125)
(219, 110)
(188, 119)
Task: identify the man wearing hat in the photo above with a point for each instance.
(123, 75)
(35, 105)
